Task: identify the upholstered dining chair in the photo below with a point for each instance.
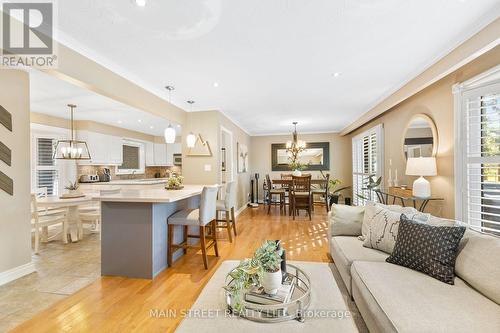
(273, 192)
(227, 206)
(301, 195)
(203, 218)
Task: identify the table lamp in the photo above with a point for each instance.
(421, 166)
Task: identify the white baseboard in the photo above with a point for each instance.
(16, 273)
(242, 208)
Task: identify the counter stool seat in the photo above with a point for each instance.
(185, 217)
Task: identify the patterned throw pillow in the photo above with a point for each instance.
(380, 225)
(429, 249)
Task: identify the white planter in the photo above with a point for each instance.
(271, 282)
(297, 173)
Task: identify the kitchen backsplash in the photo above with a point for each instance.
(150, 172)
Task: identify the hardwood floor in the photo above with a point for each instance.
(115, 304)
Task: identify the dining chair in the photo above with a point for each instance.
(227, 206)
(272, 192)
(300, 194)
(90, 215)
(42, 192)
(43, 221)
(287, 177)
(322, 190)
(203, 217)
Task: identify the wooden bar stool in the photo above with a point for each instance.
(227, 206)
(204, 218)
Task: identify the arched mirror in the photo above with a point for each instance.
(420, 139)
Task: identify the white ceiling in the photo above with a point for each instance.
(51, 96)
(273, 60)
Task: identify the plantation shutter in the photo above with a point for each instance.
(46, 170)
(481, 163)
(366, 161)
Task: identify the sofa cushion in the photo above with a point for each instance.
(346, 220)
(478, 263)
(381, 223)
(402, 300)
(345, 250)
(428, 249)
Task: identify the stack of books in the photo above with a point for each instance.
(257, 295)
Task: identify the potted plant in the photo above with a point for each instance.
(297, 168)
(335, 192)
(261, 270)
(269, 256)
(72, 188)
(372, 185)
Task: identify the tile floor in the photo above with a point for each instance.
(61, 270)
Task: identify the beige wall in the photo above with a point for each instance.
(437, 102)
(15, 236)
(340, 155)
(243, 179)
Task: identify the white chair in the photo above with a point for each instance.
(203, 217)
(90, 215)
(44, 221)
(41, 192)
(227, 206)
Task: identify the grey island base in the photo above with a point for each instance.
(134, 229)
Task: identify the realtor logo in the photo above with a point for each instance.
(27, 34)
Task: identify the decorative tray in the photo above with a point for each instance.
(291, 310)
(174, 188)
(72, 196)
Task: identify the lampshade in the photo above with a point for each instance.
(169, 134)
(421, 166)
(191, 140)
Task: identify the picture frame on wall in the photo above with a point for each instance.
(242, 160)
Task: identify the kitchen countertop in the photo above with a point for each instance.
(148, 181)
(151, 195)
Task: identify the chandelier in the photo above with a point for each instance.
(71, 149)
(295, 146)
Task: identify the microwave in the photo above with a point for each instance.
(178, 159)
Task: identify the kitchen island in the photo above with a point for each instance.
(134, 228)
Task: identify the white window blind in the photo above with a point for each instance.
(477, 153)
(367, 160)
(46, 172)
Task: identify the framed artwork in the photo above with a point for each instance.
(242, 151)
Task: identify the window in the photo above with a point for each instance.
(478, 152)
(367, 160)
(46, 172)
(133, 158)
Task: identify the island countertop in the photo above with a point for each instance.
(157, 195)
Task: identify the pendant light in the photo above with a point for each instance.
(71, 149)
(191, 138)
(169, 131)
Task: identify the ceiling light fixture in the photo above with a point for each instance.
(216, 84)
(140, 3)
(71, 149)
(169, 131)
(295, 146)
(191, 138)
(139, 120)
(336, 74)
(119, 121)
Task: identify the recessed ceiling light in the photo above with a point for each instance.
(178, 126)
(336, 74)
(216, 84)
(140, 3)
(139, 120)
(151, 127)
(119, 121)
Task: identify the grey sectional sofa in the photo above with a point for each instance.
(392, 298)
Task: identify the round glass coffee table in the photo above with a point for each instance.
(291, 310)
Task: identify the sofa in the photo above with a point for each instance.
(393, 298)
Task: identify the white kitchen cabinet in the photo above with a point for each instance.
(173, 148)
(104, 149)
(160, 154)
(150, 154)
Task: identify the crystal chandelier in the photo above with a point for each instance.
(71, 149)
(295, 146)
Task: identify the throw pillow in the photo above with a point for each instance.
(380, 226)
(429, 249)
(346, 220)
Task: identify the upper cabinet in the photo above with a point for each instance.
(104, 149)
(161, 154)
(173, 148)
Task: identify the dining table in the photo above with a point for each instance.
(72, 229)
